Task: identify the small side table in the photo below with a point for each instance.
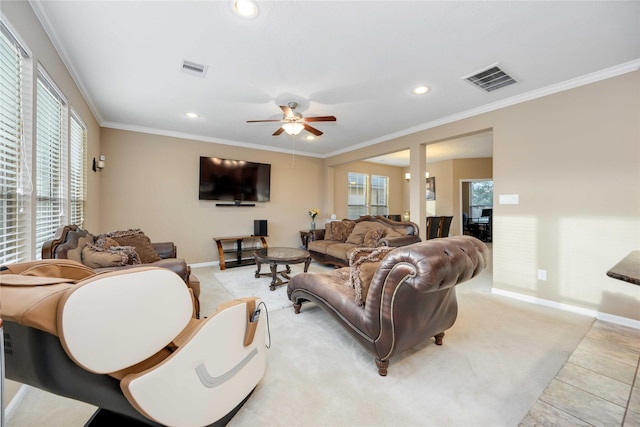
(305, 237)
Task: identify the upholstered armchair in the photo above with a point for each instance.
(391, 299)
(126, 342)
(74, 243)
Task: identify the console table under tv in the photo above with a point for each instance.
(236, 251)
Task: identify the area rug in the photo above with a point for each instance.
(241, 282)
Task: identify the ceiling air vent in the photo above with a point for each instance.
(490, 79)
(194, 69)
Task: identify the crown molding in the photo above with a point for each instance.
(194, 137)
(594, 77)
(42, 16)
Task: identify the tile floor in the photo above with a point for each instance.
(599, 385)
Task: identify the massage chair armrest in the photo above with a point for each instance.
(165, 249)
(396, 242)
(317, 234)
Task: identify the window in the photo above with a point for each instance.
(357, 195)
(50, 149)
(14, 224)
(77, 166)
(379, 195)
(367, 200)
(481, 197)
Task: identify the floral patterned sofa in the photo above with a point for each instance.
(335, 243)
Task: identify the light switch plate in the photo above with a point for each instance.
(508, 199)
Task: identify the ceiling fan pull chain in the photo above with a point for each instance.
(293, 151)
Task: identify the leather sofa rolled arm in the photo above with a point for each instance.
(396, 242)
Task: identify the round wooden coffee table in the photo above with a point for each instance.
(280, 256)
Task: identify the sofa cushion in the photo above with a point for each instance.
(75, 254)
(361, 229)
(372, 237)
(340, 250)
(339, 230)
(115, 256)
(363, 263)
(137, 239)
(320, 246)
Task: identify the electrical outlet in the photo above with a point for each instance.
(542, 274)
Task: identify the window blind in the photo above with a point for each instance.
(14, 230)
(379, 195)
(50, 130)
(357, 195)
(77, 170)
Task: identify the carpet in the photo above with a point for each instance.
(241, 282)
(493, 365)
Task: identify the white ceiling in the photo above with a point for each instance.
(356, 60)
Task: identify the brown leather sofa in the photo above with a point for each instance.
(334, 243)
(69, 240)
(391, 299)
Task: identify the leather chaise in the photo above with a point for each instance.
(391, 299)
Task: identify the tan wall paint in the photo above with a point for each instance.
(396, 184)
(151, 183)
(22, 19)
(574, 159)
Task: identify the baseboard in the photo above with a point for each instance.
(205, 264)
(15, 401)
(605, 317)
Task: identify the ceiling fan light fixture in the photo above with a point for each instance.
(245, 8)
(293, 128)
(420, 90)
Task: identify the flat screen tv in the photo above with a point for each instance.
(234, 180)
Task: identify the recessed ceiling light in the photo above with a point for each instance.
(245, 8)
(192, 115)
(420, 90)
(310, 137)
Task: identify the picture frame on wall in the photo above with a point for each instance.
(431, 188)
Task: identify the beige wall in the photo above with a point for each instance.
(151, 183)
(24, 22)
(396, 185)
(574, 160)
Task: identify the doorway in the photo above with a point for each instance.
(476, 208)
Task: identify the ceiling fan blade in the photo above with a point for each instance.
(259, 121)
(312, 130)
(288, 112)
(278, 132)
(320, 119)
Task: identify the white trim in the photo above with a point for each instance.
(205, 264)
(182, 135)
(605, 317)
(15, 402)
(38, 9)
(16, 37)
(607, 73)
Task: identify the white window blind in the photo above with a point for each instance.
(77, 171)
(379, 195)
(50, 129)
(14, 227)
(357, 195)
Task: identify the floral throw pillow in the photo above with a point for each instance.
(363, 263)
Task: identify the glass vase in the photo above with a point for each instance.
(313, 224)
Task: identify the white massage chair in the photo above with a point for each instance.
(126, 342)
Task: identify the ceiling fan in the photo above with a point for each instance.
(294, 122)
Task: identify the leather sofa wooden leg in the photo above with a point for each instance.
(382, 367)
(439, 338)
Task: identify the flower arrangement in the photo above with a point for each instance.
(313, 213)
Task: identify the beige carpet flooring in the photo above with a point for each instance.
(495, 362)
